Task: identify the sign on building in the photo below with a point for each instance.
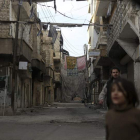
(23, 65)
(94, 53)
(71, 66)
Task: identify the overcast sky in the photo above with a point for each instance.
(74, 38)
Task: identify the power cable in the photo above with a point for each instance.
(68, 42)
(77, 18)
(72, 8)
(65, 85)
(72, 51)
(63, 14)
(45, 13)
(50, 13)
(55, 21)
(79, 8)
(66, 12)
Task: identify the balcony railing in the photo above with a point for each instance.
(124, 11)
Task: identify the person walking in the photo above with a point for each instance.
(115, 73)
(123, 121)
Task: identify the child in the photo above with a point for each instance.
(123, 121)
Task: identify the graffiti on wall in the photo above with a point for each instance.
(4, 96)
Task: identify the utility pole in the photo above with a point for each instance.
(14, 78)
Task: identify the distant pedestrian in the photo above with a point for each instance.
(123, 121)
(115, 73)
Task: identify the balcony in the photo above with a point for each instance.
(56, 58)
(38, 65)
(102, 40)
(57, 78)
(7, 46)
(25, 74)
(102, 59)
(102, 7)
(49, 72)
(23, 51)
(25, 9)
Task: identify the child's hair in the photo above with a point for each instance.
(130, 90)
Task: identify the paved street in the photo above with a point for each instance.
(62, 122)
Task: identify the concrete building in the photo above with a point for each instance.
(48, 53)
(123, 39)
(100, 63)
(23, 94)
(57, 66)
(35, 65)
(118, 40)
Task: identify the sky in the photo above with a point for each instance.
(74, 38)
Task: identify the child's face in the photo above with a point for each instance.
(117, 96)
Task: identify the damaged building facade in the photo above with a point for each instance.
(35, 67)
(118, 40)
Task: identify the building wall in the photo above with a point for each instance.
(7, 34)
(38, 93)
(47, 52)
(57, 44)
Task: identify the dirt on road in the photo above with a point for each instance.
(60, 122)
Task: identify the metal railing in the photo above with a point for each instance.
(123, 12)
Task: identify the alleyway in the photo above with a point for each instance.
(60, 122)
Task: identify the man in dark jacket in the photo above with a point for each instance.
(115, 73)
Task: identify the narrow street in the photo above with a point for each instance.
(63, 121)
(57, 54)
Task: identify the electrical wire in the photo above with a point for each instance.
(55, 21)
(78, 17)
(79, 8)
(62, 13)
(64, 83)
(71, 8)
(68, 42)
(62, 34)
(57, 39)
(71, 50)
(45, 13)
(66, 12)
